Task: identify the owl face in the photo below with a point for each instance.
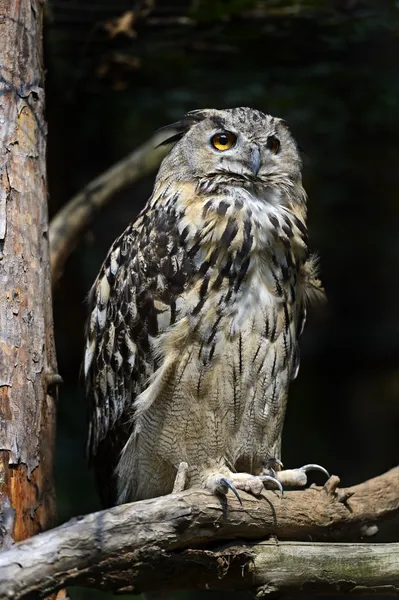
(241, 145)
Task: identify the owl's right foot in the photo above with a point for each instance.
(219, 484)
(291, 477)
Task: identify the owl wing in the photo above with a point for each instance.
(132, 301)
(311, 291)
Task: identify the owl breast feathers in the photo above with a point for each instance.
(196, 314)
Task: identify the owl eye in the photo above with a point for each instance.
(273, 144)
(223, 141)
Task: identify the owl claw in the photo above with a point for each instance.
(312, 467)
(274, 464)
(228, 483)
(273, 480)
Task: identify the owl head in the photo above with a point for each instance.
(238, 146)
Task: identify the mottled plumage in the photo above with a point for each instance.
(196, 314)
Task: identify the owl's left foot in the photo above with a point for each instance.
(291, 477)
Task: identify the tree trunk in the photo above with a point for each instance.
(27, 355)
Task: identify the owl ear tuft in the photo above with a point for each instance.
(180, 128)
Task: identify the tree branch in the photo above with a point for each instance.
(71, 222)
(121, 548)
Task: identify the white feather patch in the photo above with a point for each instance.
(103, 290)
(115, 261)
(89, 353)
(132, 349)
(101, 317)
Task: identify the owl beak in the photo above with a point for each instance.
(255, 160)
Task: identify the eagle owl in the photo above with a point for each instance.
(196, 314)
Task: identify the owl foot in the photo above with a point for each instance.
(220, 485)
(291, 477)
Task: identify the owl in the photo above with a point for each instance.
(196, 314)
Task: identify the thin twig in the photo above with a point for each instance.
(72, 221)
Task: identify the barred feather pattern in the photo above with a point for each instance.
(193, 336)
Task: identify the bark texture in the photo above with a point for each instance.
(27, 357)
(158, 544)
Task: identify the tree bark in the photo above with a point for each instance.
(27, 356)
(158, 544)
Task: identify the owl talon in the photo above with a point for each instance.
(228, 483)
(220, 485)
(272, 465)
(313, 467)
(273, 479)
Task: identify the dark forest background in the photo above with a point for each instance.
(331, 70)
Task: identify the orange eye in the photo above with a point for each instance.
(223, 141)
(273, 144)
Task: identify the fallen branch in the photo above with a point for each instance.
(71, 222)
(120, 549)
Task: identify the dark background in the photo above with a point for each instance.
(331, 70)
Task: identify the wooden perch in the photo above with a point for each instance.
(157, 544)
(72, 221)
